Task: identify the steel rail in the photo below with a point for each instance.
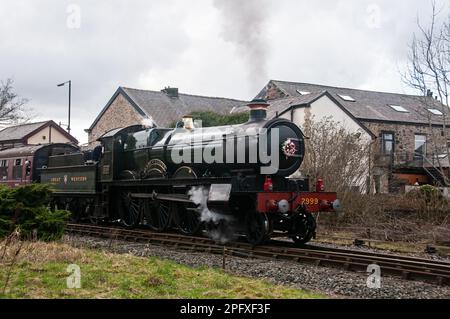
(408, 267)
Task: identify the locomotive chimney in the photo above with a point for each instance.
(258, 110)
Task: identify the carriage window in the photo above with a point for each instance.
(17, 169)
(3, 163)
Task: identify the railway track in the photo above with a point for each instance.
(407, 267)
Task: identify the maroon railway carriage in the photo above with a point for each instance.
(21, 165)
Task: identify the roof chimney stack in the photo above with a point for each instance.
(429, 93)
(171, 92)
(258, 110)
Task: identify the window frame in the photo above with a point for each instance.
(398, 108)
(347, 98)
(424, 153)
(383, 142)
(436, 112)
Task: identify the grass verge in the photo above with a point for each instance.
(40, 271)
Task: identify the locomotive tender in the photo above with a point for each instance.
(179, 178)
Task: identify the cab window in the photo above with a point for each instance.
(141, 139)
(154, 137)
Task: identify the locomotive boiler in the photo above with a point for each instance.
(273, 146)
(230, 179)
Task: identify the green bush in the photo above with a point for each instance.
(429, 192)
(26, 208)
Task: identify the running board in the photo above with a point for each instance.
(180, 198)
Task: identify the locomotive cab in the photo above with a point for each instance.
(111, 161)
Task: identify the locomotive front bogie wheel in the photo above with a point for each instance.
(257, 228)
(304, 227)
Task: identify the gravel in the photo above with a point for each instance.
(330, 281)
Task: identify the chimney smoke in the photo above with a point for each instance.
(244, 25)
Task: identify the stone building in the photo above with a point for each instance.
(131, 106)
(34, 134)
(411, 138)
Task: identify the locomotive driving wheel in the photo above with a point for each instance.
(158, 215)
(131, 210)
(189, 221)
(257, 228)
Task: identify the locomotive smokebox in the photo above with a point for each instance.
(258, 110)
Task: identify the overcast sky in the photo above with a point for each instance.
(227, 48)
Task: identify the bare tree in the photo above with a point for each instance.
(11, 105)
(429, 72)
(337, 155)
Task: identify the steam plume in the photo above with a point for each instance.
(199, 196)
(243, 25)
(148, 123)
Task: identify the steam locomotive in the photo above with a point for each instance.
(231, 179)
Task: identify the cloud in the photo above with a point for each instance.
(210, 47)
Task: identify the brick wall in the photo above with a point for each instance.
(119, 114)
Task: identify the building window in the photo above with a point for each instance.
(303, 92)
(347, 98)
(18, 162)
(388, 142)
(435, 112)
(399, 108)
(420, 142)
(3, 163)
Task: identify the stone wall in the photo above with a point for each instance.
(405, 137)
(119, 114)
(384, 169)
(272, 92)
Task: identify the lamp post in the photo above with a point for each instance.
(70, 93)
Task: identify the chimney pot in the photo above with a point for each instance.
(258, 110)
(171, 92)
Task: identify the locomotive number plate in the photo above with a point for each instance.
(219, 193)
(310, 201)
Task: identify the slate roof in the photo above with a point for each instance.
(371, 105)
(165, 109)
(20, 151)
(19, 132)
(280, 106)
